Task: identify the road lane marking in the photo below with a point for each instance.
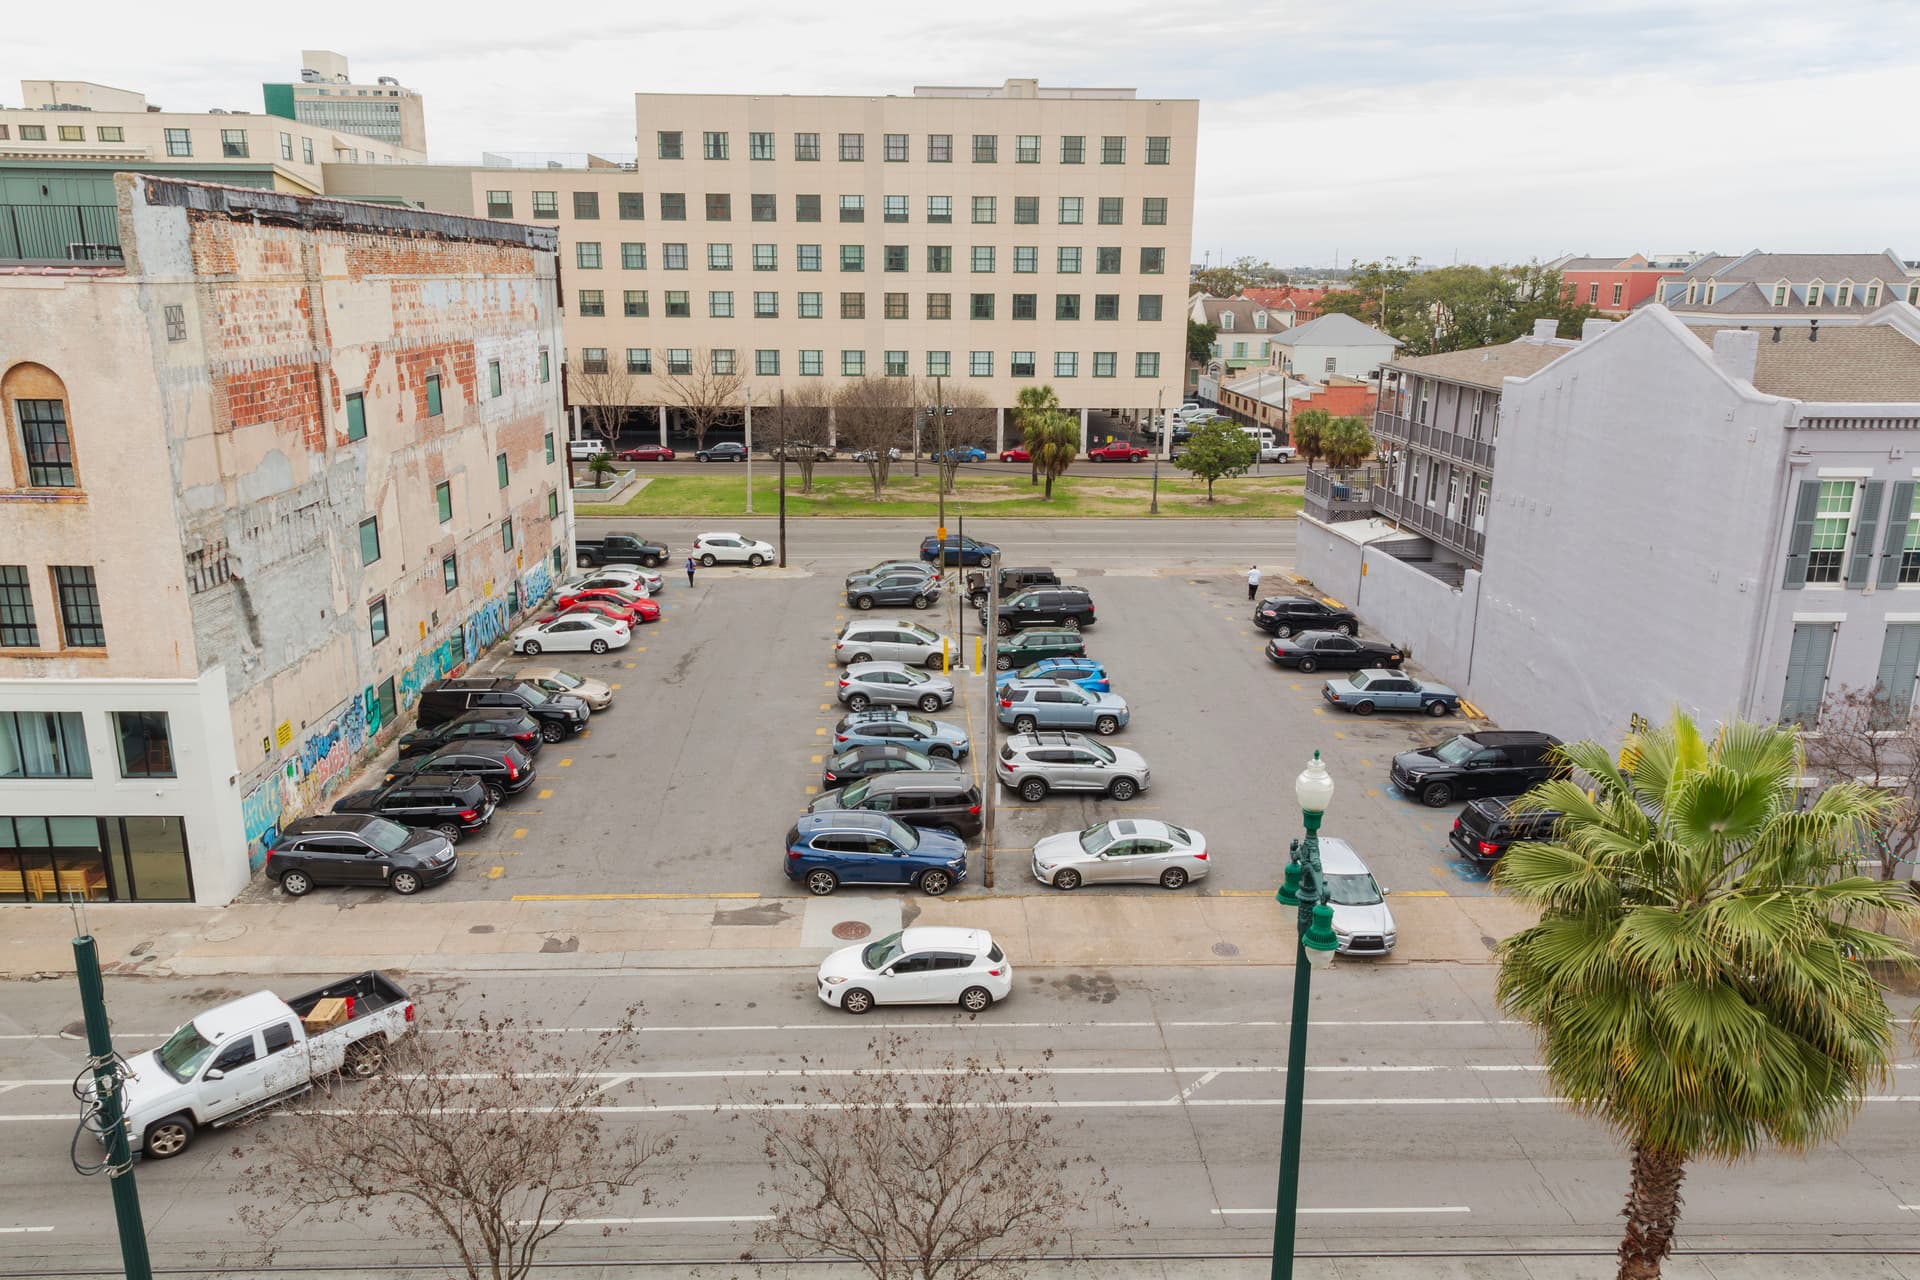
(15, 1231)
(1408, 1208)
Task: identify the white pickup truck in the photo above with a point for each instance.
(251, 1053)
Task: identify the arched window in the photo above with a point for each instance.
(38, 438)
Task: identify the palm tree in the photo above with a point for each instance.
(1051, 438)
(1029, 404)
(1699, 977)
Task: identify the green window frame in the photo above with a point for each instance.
(506, 534)
(369, 541)
(443, 492)
(356, 416)
(546, 365)
(377, 621)
(500, 468)
(549, 442)
(433, 395)
(553, 503)
(493, 378)
(450, 572)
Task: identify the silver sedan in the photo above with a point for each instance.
(1124, 851)
(890, 684)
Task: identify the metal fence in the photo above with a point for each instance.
(59, 233)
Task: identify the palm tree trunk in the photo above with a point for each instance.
(1652, 1212)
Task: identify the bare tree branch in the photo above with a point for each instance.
(706, 395)
(967, 425)
(801, 424)
(1864, 737)
(875, 416)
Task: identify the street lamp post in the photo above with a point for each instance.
(1305, 890)
(749, 450)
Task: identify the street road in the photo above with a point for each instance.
(1429, 1123)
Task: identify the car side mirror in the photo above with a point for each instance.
(214, 1073)
(886, 973)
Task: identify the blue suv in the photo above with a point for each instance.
(1085, 672)
(959, 550)
(826, 850)
(885, 727)
(1027, 705)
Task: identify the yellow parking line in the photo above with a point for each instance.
(1472, 710)
(1319, 711)
(1340, 733)
(519, 833)
(816, 759)
(639, 648)
(615, 685)
(1295, 685)
(1366, 764)
(547, 794)
(623, 897)
(1422, 893)
(494, 873)
(586, 733)
(827, 684)
(1330, 600)
(1373, 793)
(821, 732)
(813, 791)
(567, 763)
(629, 665)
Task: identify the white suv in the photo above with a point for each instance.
(1035, 763)
(907, 642)
(731, 548)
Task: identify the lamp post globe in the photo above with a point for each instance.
(1314, 787)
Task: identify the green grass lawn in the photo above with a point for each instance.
(1097, 494)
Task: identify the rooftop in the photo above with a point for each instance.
(1828, 267)
(1488, 367)
(1336, 330)
(1862, 363)
(1015, 88)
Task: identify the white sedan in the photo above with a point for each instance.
(572, 633)
(918, 966)
(731, 548)
(1124, 851)
(622, 577)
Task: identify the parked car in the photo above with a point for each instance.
(502, 767)
(575, 633)
(597, 694)
(637, 603)
(1486, 827)
(585, 450)
(618, 548)
(1278, 453)
(964, 453)
(898, 641)
(797, 450)
(611, 611)
(826, 850)
(357, 849)
(1034, 764)
(886, 567)
(958, 550)
(504, 724)
(889, 727)
(1084, 672)
(1117, 451)
(1026, 705)
(1362, 922)
(1288, 615)
(1311, 650)
(732, 548)
(647, 453)
(901, 586)
(1377, 690)
(558, 714)
(725, 451)
(932, 799)
(236, 1059)
(1058, 606)
(872, 455)
(1487, 762)
(1009, 582)
(1031, 646)
(1125, 851)
(450, 803)
(1016, 454)
(918, 966)
(890, 684)
(847, 767)
(621, 577)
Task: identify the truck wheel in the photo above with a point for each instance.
(583, 562)
(1436, 794)
(1003, 626)
(1071, 624)
(366, 1058)
(167, 1138)
(552, 732)
(652, 562)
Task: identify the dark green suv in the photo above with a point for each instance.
(1031, 646)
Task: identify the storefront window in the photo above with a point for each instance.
(55, 859)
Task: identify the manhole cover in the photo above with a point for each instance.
(1225, 949)
(852, 930)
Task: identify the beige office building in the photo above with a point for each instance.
(993, 237)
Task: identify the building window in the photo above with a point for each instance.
(679, 361)
(721, 358)
(306, 150)
(1073, 149)
(673, 206)
(939, 306)
(806, 146)
(893, 257)
(853, 306)
(546, 204)
(499, 204)
(1066, 364)
(1814, 291)
(1909, 548)
(443, 500)
(79, 597)
(673, 257)
(986, 148)
(853, 364)
(1105, 363)
(593, 302)
(377, 620)
(1873, 296)
(369, 540)
(586, 205)
(983, 258)
(940, 258)
(1026, 210)
(939, 364)
(982, 307)
(939, 208)
(233, 144)
(896, 148)
(549, 443)
(43, 744)
(1618, 291)
(1026, 306)
(553, 510)
(49, 448)
(586, 255)
(765, 208)
(1146, 364)
(1066, 306)
(1153, 262)
(633, 206)
(1070, 210)
(286, 144)
(719, 257)
(506, 534)
(895, 307)
(853, 257)
(633, 256)
(766, 364)
(38, 133)
(640, 360)
(669, 143)
(810, 364)
(759, 146)
(853, 146)
(1159, 150)
(1067, 259)
(500, 468)
(853, 208)
(980, 364)
(1026, 259)
(939, 148)
(1106, 306)
(114, 133)
(1806, 682)
(546, 366)
(806, 208)
(720, 304)
(146, 747)
(894, 209)
(894, 364)
(811, 306)
(1112, 211)
(1149, 306)
(1021, 364)
(713, 146)
(1844, 297)
(1113, 150)
(18, 629)
(983, 209)
(1153, 211)
(450, 565)
(493, 379)
(679, 304)
(1832, 527)
(1106, 260)
(593, 359)
(719, 207)
(766, 305)
(1026, 148)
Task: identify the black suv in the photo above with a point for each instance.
(450, 803)
(1492, 762)
(357, 849)
(944, 800)
(504, 725)
(1009, 582)
(1284, 615)
(502, 766)
(1069, 607)
(559, 714)
(1485, 828)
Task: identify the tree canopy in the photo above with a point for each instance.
(1217, 450)
(1228, 280)
(1455, 308)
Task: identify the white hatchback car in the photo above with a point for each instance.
(572, 633)
(918, 966)
(1361, 920)
(731, 548)
(907, 642)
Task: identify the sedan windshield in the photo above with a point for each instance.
(853, 795)
(1359, 680)
(183, 1052)
(385, 836)
(1456, 750)
(566, 681)
(879, 955)
(1095, 838)
(1353, 891)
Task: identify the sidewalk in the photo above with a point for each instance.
(350, 933)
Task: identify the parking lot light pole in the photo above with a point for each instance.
(1305, 890)
(749, 450)
(990, 669)
(783, 477)
(1160, 421)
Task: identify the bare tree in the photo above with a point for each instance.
(481, 1134)
(801, 425)
(705, 394)
(966, 425)
(1863, 737)
(941, 1171)
(604, 392)
(875, 417)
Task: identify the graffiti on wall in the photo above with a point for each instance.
(488, 624)
(536, 586)
(432, 664)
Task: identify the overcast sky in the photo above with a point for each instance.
(1483, 129)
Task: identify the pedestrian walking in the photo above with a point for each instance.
(1253, 581)
(689, 570)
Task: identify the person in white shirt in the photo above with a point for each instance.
(1253, 582)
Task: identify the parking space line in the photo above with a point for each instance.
(567, 763)
(630, 665)
(547, 793)
(1423, 893)
(816, 760)
(494, 873)
(820, 732)
(813, 791)
(1366, 764)
(624, 897)
(826, 706)
(519, 833)
(614, 685)
(1245, 893)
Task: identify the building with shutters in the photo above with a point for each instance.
(1720, 519)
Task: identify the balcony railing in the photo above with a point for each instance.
(1434, 524)
(1432, 439)
(1333, 497)
(59, 233)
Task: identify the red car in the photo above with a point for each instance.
(642, 609)
(647, 453)
(1117, 451)
(1016, 454)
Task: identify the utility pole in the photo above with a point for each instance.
(1166, 442)
(783, 477)
(105, 1115)
(749, 450)
(940, 456)
(990, 791)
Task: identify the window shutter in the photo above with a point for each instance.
(1806, 673)
(1860, 566)
(1802, 539)
(1899, 667)
(1897, 513)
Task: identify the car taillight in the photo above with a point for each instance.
(974, 811)
(845, 681)
(1489, 848)
(1200, 855)
(468, 815)
(1006, 702)
(513, 770)
(409, 1011)
(839, 737)
(832, 776)
(1332, 696)
(268, 862)
(1456, 824)
(525, 737)
(993, 973)
(793, 853)
(1008, 765)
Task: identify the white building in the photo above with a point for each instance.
(1335, 344)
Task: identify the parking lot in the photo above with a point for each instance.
(722, 718)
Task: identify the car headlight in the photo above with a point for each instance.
(833, 982)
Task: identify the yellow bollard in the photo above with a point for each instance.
(946, 658)
(979, 653)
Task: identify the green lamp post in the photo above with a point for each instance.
(1305, 890)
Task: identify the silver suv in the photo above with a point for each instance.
(888, 684)
(896, 641)
(1035, 763)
